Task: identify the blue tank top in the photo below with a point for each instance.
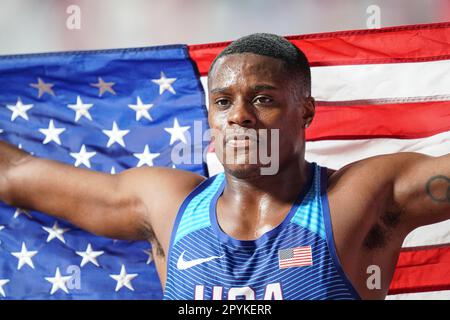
(295, 260)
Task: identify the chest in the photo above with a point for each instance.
(283, 265)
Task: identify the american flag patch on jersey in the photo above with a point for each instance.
(295, 257)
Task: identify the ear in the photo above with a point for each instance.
(309, 110)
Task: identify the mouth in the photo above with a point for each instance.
(238, 143)
(239, 140)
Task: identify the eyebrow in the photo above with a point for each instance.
(261, 87)
(258, 87)
(218, 90)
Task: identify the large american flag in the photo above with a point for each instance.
(377, 92)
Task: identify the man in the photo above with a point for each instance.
(303, 232)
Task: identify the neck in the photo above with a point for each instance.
(250, 207)
(282, 187)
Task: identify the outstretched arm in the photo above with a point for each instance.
(121, 206)
(421, 188)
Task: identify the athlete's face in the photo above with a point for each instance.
(247, 93)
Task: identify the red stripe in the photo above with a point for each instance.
(297, 259)
(387, 45)
(302, 249)
(297, 264)
(301, 254)
(421, 270)
(294, 263)
(399, 120)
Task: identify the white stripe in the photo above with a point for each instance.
(433, 234)
(204, 82)
(337, 153)
(214, 165)
(432, 295)
(377, 81)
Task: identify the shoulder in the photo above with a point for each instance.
(160, 179)
(374, 184)
(161, 191)
(366, 185)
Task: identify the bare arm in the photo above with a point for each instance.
(421, 191)
(121, 206)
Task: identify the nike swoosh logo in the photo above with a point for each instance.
(183, 264)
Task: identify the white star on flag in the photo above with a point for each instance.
(150, 255)
(2, 283)
(89, 256)
(58, 282)
(20, 211)
(104, 86)
(43, 87)
(124, 279)
(56, 232)
(146, 157)
(52, 133)
(19, 110)
(83, 157)
(115, 135)
(165, 83)
(24, 257)
(81, 109)
(113, 170)
(2, 227)
(177, 132)
(141, 109)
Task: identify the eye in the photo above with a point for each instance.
(262, 100)
(222, 102)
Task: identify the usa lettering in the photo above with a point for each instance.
(272, 291)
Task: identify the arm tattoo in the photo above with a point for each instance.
(434, 191)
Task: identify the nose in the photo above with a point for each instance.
(242, 114)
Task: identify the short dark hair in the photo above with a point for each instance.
(272, 45)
